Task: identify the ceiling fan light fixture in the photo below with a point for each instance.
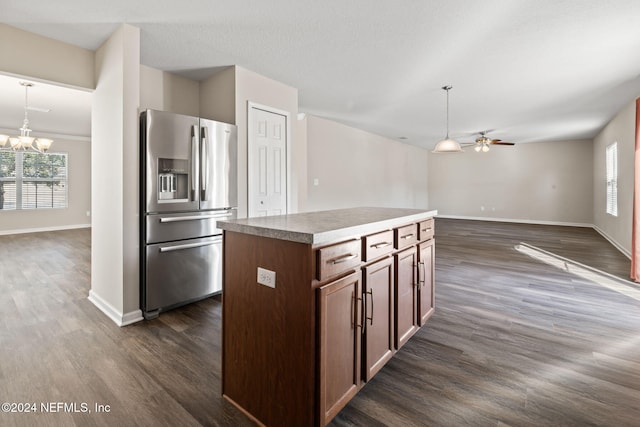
(447, 145)
(485, 148)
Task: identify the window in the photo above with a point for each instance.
(612, 179)
(33, 180)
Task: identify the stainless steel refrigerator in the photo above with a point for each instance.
(188, 181)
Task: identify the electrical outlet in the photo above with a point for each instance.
(266, 277)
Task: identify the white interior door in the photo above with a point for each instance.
(267, 161)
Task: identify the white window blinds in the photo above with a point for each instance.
(33, 180)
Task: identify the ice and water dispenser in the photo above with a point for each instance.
(173, 180)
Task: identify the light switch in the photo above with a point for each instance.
(266, 277)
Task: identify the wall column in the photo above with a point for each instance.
(115, 285)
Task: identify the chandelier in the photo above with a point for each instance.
(25, 141)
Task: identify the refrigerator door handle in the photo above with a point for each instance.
(204, 162)
(194, 162)
(187, 246)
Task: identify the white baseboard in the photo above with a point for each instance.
(42, 229)
(118, 318)
(519, 221)
(132, 317)
(617, 245)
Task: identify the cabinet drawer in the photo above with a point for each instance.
(425, 229)
(406, 236)
(377, 245)
(335, 259)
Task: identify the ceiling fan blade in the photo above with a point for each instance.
(498, 142)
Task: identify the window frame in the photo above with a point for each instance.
(611, 179)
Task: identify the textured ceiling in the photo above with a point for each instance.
(535, 70)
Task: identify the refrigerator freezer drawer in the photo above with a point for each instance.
(170, 227)
(182, 272)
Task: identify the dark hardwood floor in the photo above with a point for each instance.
(513, 342)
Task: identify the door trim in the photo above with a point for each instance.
(287, 114)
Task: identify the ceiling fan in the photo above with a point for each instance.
(483, 142)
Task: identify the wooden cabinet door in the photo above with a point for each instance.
(378, 344)
(426, 282)
(406, 263)
(339, 321)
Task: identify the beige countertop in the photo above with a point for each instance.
(326, 226)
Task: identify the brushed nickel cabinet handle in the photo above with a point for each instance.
(363, 314)
(424, 275)
(408, 236)
(355, 306)
(370, 292)
(344, 258)
(381, 245)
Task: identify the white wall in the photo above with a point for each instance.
(39, 58)
(546, 182)
(218, 96)
(621, 130)
(357, 168)
(26, 54)
(114, 162)
(160, 90)
(252, 87)
(78, 193)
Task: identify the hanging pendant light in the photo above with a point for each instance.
(447, 145)
(25, 140)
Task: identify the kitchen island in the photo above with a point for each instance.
(314, 304)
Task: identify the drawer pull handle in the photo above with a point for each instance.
(426, 229)
(193, 217)
(381, 245)
(187, 246)
(344, 258)
(408, 236)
